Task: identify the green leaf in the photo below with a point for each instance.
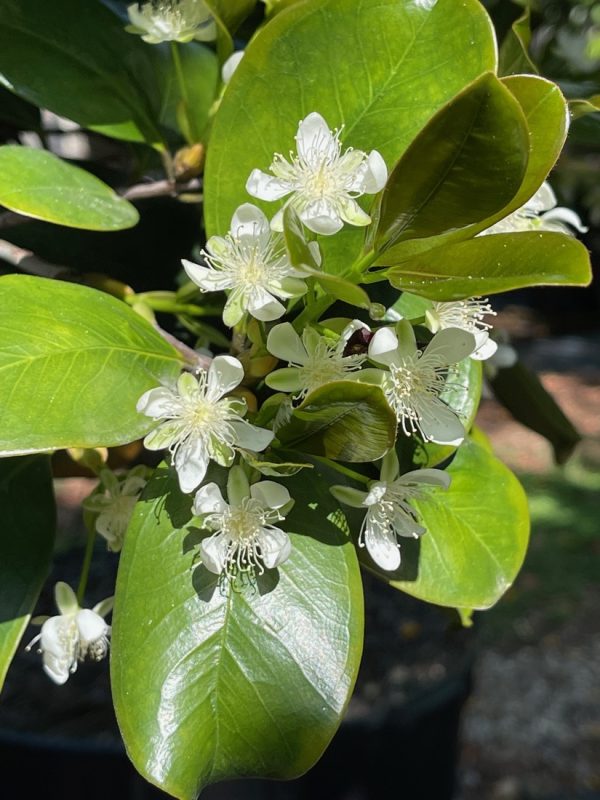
(494, 263)
(380, 68)
(238, 683)
(477, 534)
(40, 185)
(73, 363)
(581, 107)
(514, 56)
(228, 15)
(523, 394)
(463, 167)
(17, 112)
(26, 540)
(332, 421)
(82, 66)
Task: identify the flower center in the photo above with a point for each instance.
(408, 382)
(242, 526)
(324, 364)
(465, 314)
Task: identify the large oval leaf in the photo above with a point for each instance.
(380, 68)
(332, 421)
(495, 263)
(83, 66)
(73, 363)
(464, 166)
(26, 539)
(477, 535)
(40, 185)
(210, 684)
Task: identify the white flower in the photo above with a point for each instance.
(540, 213)
(230, 66)
(389, 512)
(416, 379)
(468, 315)
(323, 182)
(244, 541)
(198, 423)
(172, 21)
(115, 503)
(251, 262)
(72, 635)
(312, 360)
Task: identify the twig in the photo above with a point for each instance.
(164, 188)
(192, 358)
(28, 262)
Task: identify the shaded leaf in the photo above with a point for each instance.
(514, 58)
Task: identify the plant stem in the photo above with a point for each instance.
(85, 567)
(192, 134)
(349, 473)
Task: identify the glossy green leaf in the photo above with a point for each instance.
(83, 66)
(228, 15)
(523, 394)
(463, 167)
(380, 68)
(494, 263)
(332, 421)
(514, 58)
(477, 534)
(38, 184)
(235, 683)
(26, 539)
(581, 107)
(73, 363)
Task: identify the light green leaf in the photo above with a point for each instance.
(463, 167)
(73, 363)
(389, 67)
(26, 539)
(332, 421)
(240, 683)
(494, 263)
(477, 534)
(40, 185)
(581, 107)
(514, 58)
(82, 66)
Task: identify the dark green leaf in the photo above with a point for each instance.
(494, 263)
(228, 15)
(238, 683)
(463, 167)
(26, 539)
(17, 112)
(514, 56)
(40, 185)
(73, 363)
(332, 421)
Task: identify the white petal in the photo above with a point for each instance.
(376, 175)
(225, 373)
(90, 625)
(249, 222)
(315, 252)
(266, 187)
(209, 280)
(263, 305)
(277, 221)
(287, 379)
(314, 139)
(156, 403)
(375, 494)
(284, 343)
(213, 552)
(249, 437)
(209, 500)
(230, 65)
(270, 494)
(543, 200)
(451, 345)
(433, 477)
(383, 347)
(405, 525)
(275, 546)
(349, 496)
(191, 463)
(485, 348)
(65, 598)
(565, 215)
(438, 422)
(382, 546)
(390, 467)
(187, 386)
(353, 214)
(321, 217)
(167, 434)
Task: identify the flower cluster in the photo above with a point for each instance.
(159, 21)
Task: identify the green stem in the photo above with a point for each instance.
(192, 133)
(87, 560)
(361, 264)
(349, 473)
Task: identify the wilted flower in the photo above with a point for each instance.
(389, 510)
(469, 315)
(198, 423)
(73, 635)
(539, 214)
(244, 541)
(417, 378)
(322, 181)
(114, 504)
(251, 262)
(172, 21)
(312, 360)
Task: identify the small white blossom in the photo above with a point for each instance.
(198, 423)
(252, 264)
(244, 540)
(312, 360)
(114, 504)
(73, 635)
(540, 213)
(172, 21)
(417, 378)
(322, 181)
(389, 510)
(469, 315)
(230, 66)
